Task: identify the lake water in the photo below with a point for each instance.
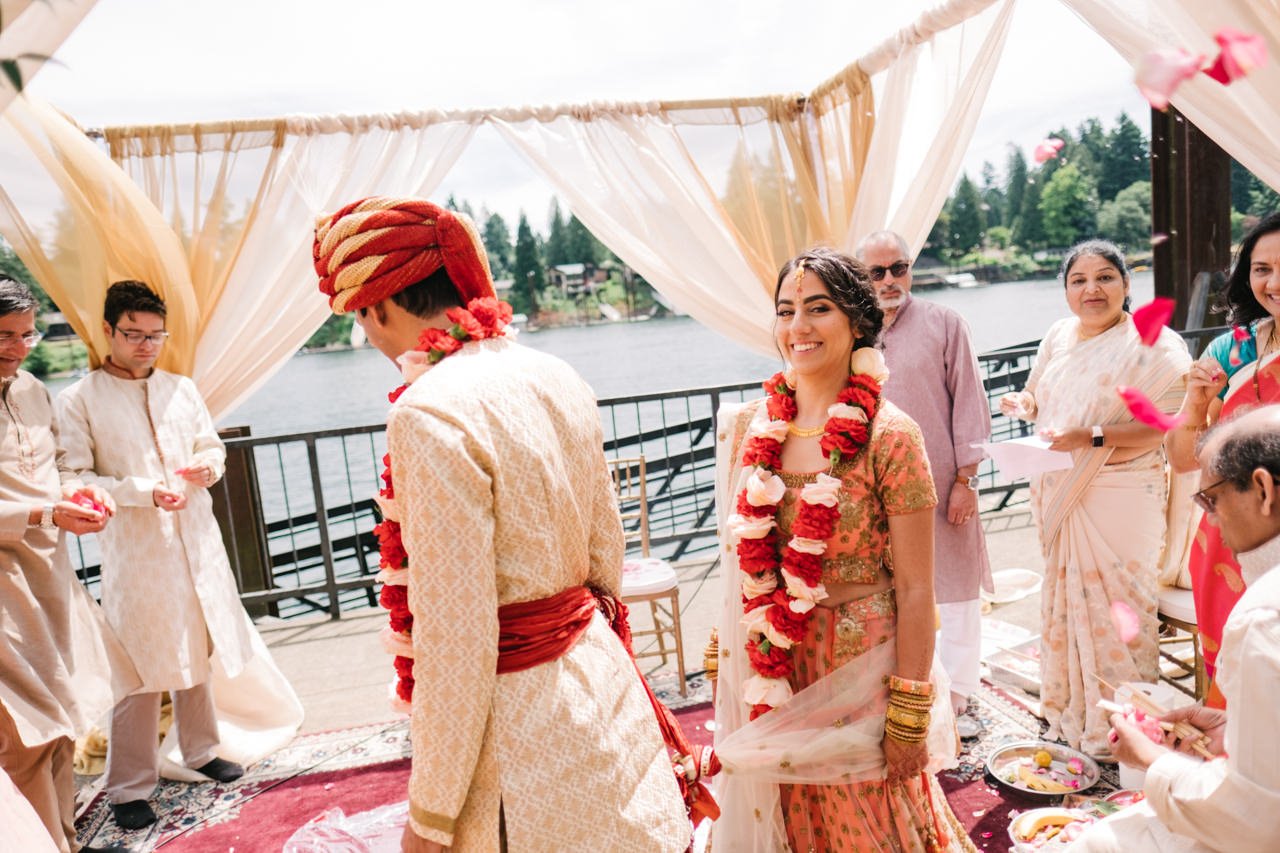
(336, 389)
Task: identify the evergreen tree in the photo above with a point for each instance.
(526, 270)
(1015, 185)
(497, 242)
(938, 238)
(1241, 183)
(1066, 154)
(1125, 160)
(966, 217)
(1069, 205)
(1262, 199)
(556, 249)
(992, 196)
(581, 246)
(451, 203)
(1126, 219)
(13, 267)
(1029, 230)
(1090, 148)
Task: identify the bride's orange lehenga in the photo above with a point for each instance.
(1216, 582)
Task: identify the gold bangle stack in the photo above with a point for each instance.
(907, 717)
(711, 656)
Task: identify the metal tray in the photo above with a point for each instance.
(1011, 666)
(1008, 757)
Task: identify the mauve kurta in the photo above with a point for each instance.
(167, 586)
(59, 662)
(934, 378)
(503, 496)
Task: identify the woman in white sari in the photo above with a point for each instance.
(825, 507)
(1104, 522)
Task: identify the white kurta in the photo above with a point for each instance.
(504, 496)
(167, 586)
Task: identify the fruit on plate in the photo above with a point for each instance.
(1043, 758)
(1045, 828)
(1043, 784)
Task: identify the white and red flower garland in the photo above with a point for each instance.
(779, 591)
(481, 319)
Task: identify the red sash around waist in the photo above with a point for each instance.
(537, 632)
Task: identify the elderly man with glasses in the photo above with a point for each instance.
(1231, 802)
(145, 436)
(934, 378)
(61, 667)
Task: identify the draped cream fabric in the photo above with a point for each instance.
(217, 217)
(29, 27)
(1244, 117)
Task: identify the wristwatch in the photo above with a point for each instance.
(971, 482)
(1097, 435)
(46, 517)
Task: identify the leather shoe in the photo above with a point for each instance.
(221, 770)
(134, 814)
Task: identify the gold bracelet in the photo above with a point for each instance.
(898, 684)
(903, 736)
(910, 704)
(907, 719)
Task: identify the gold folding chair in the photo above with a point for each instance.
(1177, 614)
(647, 579)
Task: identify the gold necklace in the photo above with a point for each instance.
(805, 432)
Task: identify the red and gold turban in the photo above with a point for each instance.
(380, 245)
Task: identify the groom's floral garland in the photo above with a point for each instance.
(779, 592)
(481, 319)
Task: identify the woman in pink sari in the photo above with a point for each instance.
(1238, 371)
(1104, 527)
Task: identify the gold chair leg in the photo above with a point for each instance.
(675, 622)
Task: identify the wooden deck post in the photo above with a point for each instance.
(1191, 204)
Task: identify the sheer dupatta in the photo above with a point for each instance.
(828, 733)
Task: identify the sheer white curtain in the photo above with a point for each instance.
(1244, 117)
(243, 198)
(707, 199)
(33, 28)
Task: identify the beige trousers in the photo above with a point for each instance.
(43, 774)
(133, 752)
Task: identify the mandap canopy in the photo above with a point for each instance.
(705, 199)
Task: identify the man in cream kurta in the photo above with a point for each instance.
(145, 436)
(61, 667)
(1231, 803)
(503, 495)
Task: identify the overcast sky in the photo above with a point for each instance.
(161, 61)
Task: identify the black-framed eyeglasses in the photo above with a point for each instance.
(1204, 500)
(134, 338)
(899, 269)
(29, 339)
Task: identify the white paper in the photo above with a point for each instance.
(1020, 458)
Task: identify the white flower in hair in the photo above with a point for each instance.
(758, 690)
(824, 490)
(746, 527)
(764, 488)
(849, 413)
(870, 361)
(777, 430)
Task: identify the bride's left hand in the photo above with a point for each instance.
(904, 760)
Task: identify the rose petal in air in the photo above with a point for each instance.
(1153, 317)
(1048, 149)
(1240, 53)
(1145, 411)
(1160, 72)
(1239, 334)
(1125, 621)
(1157, 239)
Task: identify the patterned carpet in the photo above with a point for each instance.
(366, 767)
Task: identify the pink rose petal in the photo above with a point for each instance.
(1145, 411)
(1239, 334)
(1153, 317)
(1157, 239)
(1048, 149)
(1125, 621)
(1240, 53)
(1160, 72)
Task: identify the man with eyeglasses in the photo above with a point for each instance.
(145, 436)
(934, 378)
(1231, 802)
(61, 667)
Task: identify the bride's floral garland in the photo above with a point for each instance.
(779, 592)
(481, 319)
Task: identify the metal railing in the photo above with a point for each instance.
(297, 511)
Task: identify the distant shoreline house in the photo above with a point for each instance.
(56, 327)
(574, 280)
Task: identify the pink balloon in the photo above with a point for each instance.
(1145, 411)
(1161, 72)
(1153, 317)
(1048, 149)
